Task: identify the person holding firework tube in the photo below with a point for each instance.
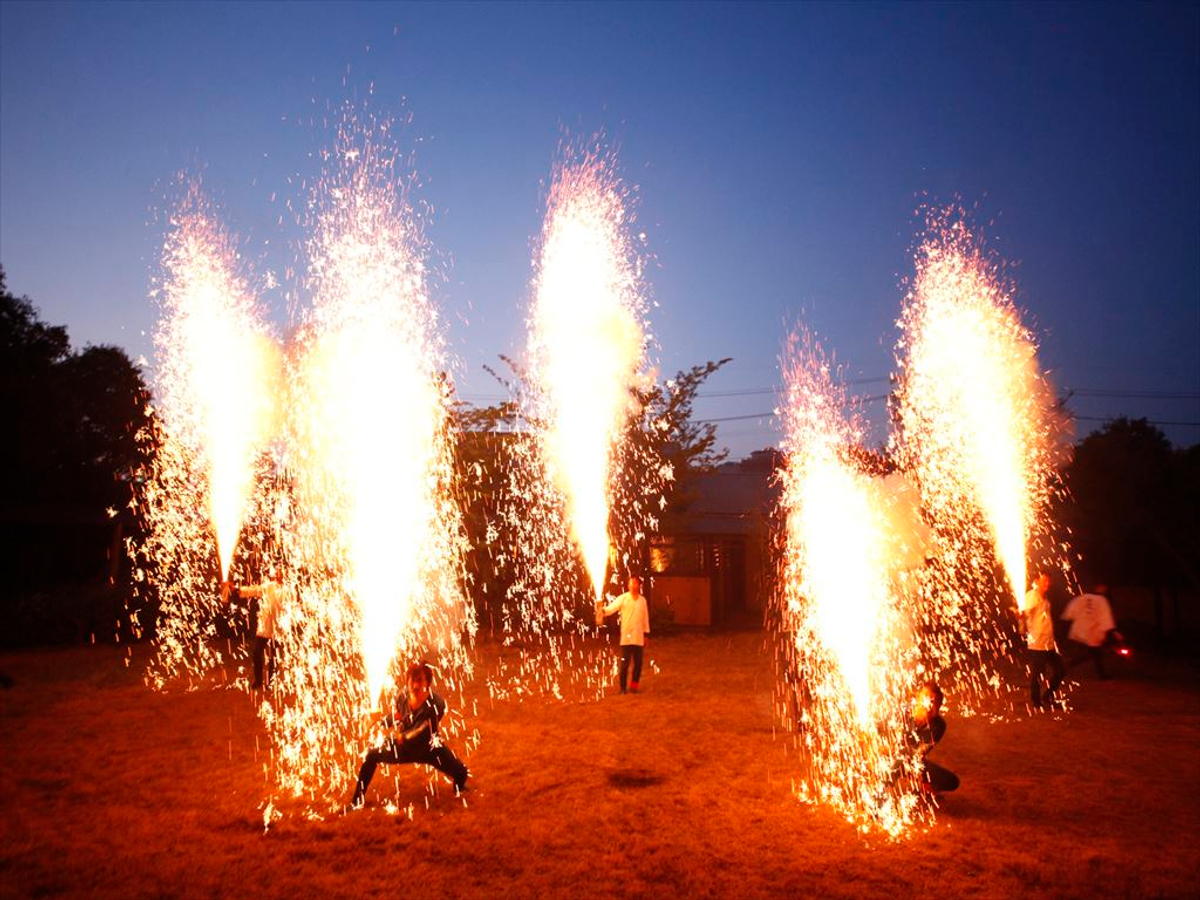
(415, 739)
(635, 625)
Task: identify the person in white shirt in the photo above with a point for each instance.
(1092, 625)
(1039, 637)
(635, 625)
(269, 595)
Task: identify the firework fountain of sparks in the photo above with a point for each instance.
(352, 513)
(851, 543)
(218, 376)
(218, 373)
(580, 480)
(978, 432)
(586, 346)
(373, 533)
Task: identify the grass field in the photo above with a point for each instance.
(113, 791)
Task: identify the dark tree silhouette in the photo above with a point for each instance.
(1134, 511)
(66, 465)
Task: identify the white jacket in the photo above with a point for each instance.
(635, 618)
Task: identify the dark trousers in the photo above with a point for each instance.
(264, 661)
(1095, 654)
(634, 652)
(940, 780)
(393, 752)
(1039, 662)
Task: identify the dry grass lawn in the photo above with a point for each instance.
(112, 791)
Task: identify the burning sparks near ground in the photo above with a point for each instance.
(353, 514)
(883, 584)
(849, 543)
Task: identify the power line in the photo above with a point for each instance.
(771, 414)
(764, 415)
(1148, 421)
(749, 392)
(1134, 395)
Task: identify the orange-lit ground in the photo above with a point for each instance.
(112, 790)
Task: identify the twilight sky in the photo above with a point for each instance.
(780, 153)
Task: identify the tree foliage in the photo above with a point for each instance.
(74, 416)
(668, 433)
(661, 434)
(1133, 506)
(70, 453)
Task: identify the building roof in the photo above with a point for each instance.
(730, 500)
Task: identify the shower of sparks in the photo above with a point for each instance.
(218, 374)
(218, 367)
(884, 585)
(586, 346)
(851, 541)
(977, 431)
(373, 536)
(583, 484)
(352, 513)
(975, 411)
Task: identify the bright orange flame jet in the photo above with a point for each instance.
(219, 369)
(586, 344)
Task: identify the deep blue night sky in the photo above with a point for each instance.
(780, 153)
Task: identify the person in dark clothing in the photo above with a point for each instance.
(928, 727)
(265, 602)
(415, 739)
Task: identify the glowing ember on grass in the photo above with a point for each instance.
(851, 538)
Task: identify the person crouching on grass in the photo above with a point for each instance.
(635, 625)
(415, 739)
(928, 727)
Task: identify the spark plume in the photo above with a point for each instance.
(883, 583)
(974, 415)
(850, 541)
(373, 537)
(352, 512)
(586, 346)
(218, 372)
(583, 484)
(217, 378)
